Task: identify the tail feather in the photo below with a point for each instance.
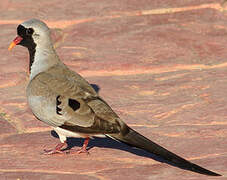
(135, 139)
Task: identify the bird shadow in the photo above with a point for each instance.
(110, 143)
(106, 143)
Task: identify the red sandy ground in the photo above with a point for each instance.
(161, 65)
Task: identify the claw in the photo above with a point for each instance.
(82, 151)
(49, 152)
(56, 150)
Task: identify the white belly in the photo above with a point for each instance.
(63, 134)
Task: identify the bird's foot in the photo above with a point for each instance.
(52, 151)
(56, 150)
(77, 151)
(83, 149)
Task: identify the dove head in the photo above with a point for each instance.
(32, 33)
(35, 35)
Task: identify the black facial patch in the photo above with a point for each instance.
(21, 31)
(58, 102)
(74, 104)
(26, 34)
(29, 31)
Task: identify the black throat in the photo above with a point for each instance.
(31, 58)
(28, 42)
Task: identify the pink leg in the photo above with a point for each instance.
(56, 150)
(84, 147)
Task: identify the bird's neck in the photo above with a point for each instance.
(31, 57)
(41, 59)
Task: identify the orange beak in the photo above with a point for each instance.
(16, 41)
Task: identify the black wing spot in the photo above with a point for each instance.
(58, 102)
(74, 104)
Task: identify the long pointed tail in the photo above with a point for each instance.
(135, 139)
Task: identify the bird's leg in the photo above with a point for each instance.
(57, 149)
(83, 149)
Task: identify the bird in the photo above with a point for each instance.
(64, 100)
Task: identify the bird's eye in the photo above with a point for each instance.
(29, 31)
